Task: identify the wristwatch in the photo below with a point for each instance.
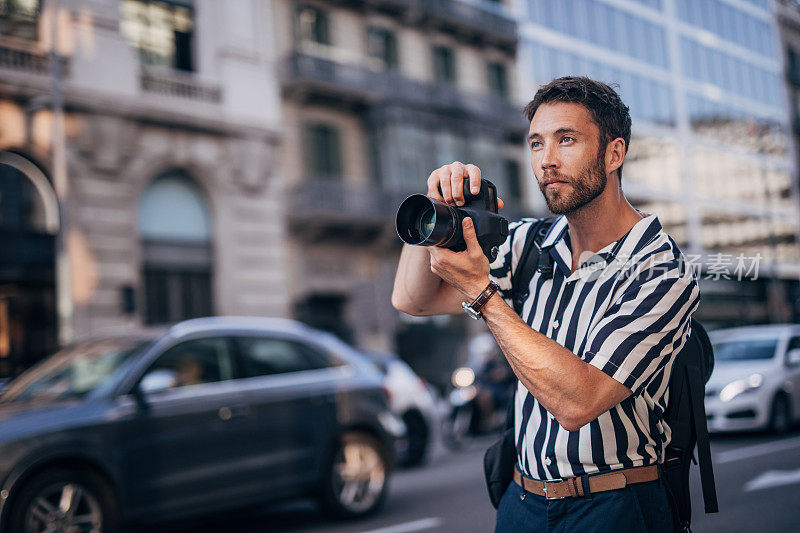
(473, 309)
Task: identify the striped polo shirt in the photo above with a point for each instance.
(626, 311)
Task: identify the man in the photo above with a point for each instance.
(593, 348)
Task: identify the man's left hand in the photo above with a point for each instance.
(466, 271)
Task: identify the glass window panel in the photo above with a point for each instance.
(382, 47)
(196, 362)
(324, 159)
(497, 78)
(582, 24)
(312, 25)
(161, 32)
(264, 356)
(444, 65)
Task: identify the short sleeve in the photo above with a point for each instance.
(645, 326)
(502, 268)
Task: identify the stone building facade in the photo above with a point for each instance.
(173, 200)
(375, 95)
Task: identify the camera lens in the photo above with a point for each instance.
(426, 222)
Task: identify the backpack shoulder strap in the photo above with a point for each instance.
(528, 261)
(696, 390)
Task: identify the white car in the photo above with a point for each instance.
(413, 400)
(756, 378)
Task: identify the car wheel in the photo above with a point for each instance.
(64, 500)
(781, 417)
(417, 438)
(357, 477)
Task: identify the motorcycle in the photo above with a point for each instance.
(466, 419)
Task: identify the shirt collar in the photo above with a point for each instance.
(627, 246)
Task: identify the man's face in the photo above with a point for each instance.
(566, 156)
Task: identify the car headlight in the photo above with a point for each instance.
(735, 388)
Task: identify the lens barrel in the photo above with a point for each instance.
(428, 222)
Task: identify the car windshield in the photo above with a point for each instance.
(745, 350)
(73, 372)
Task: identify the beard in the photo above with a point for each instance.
(589, 184)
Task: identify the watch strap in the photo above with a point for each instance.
(474, 309)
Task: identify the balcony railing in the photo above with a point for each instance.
(24, 57)
(317, 203)
(176, 84)
(310, 75)
(482, 23)
(320, 198)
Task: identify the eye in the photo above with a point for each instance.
(536, 144)
(567, 138)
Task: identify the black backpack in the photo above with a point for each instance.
(685, 413)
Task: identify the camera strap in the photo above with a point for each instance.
(532, 260)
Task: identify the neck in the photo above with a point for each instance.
(602, 221)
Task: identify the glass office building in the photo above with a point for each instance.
(710, 153)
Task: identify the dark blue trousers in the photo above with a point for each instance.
(641, 507)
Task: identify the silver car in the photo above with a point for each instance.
(756, 379)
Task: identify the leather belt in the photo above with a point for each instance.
(576, 487)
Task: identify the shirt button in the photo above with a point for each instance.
(555, 324)
(547, 461)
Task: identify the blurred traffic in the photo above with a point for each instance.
(168, 160)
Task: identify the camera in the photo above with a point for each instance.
(427, 222)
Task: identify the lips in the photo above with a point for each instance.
(553, 183)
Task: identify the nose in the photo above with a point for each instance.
(549, 157)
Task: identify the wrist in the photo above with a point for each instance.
(474, 307)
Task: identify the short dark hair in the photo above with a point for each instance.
(606, 107)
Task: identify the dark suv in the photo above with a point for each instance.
(213, 414)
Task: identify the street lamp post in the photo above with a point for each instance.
(64, 307)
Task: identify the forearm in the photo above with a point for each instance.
(573, 391)
(417, 290)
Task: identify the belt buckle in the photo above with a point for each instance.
(553, 482)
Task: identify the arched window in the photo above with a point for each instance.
(175, 231)
(29, 221)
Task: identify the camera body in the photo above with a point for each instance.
(427, 222)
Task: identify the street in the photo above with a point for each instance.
(756, 474)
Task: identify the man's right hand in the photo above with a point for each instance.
(446, 183)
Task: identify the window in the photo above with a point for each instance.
(794, 343)
(323, 152)
(19, 18)
(512, 177)
(162, 32)
(264, 356)
(195, 362)
(745, 350)
(382, 47)
(444, 64)
(498, 80)
(312, 25)
(175, 228)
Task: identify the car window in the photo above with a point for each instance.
(794, 343)
(745, 350)
(195, 362)
(264, 356)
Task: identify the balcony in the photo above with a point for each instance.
(474, 23)
(483, 25)
(177, 84)
(310, 78)
(320, 210)
(324, 210)
(23, 56)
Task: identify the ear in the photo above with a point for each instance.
(615, 154)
